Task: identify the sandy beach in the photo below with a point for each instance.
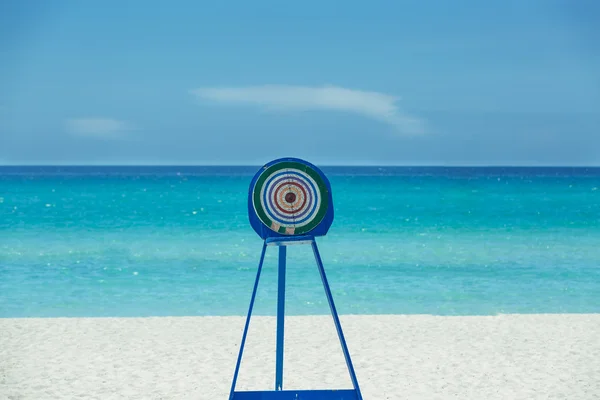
(395, 356)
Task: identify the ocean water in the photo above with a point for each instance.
(155, 241)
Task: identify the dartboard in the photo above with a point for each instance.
(290, 198)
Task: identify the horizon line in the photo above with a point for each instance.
(319, 164)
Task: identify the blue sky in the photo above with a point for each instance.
(242, 82)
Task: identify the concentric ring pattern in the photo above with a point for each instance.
(290, 198)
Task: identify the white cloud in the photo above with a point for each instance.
(375, 105)
(106, 128)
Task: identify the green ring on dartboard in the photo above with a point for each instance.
(290, 198)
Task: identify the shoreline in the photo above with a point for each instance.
(516, 356)
(315, 315)
(260, 316)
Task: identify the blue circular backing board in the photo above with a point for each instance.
(290, 197)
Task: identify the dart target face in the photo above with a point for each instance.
(290, 197)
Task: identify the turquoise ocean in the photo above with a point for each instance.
(158, 241)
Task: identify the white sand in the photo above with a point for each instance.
(396, 357)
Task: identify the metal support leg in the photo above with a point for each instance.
(336, 320)
(239, 360)
(280, 318)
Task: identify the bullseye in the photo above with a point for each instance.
(290, 197)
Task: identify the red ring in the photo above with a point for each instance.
(278, 188)
(288, 184)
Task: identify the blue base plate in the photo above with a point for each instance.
(344, 394)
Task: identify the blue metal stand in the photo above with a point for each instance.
(280, 318)
(279, 393)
